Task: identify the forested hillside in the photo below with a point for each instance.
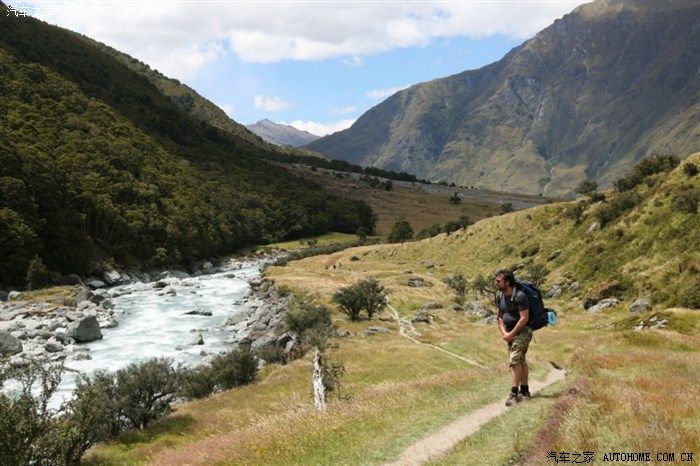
(97, 166)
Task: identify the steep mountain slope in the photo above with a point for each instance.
(604, 86)
(282, 135)
(98, 166)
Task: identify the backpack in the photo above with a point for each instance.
(539, 315)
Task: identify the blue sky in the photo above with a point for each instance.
(317, 65)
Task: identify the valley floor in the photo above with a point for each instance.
(626, 390)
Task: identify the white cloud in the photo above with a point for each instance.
(343, 110)
(179, 37)
(378, 94)
(271, 104)
(227, 108)
(321, 129)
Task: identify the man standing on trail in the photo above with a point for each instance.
(513, 322)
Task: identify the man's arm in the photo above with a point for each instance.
(501, 325)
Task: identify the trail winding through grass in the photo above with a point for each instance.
(442, 441)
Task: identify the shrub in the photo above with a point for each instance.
(306, 317)
(575, 212)
(401, 231)
(144, 391)
(367, 295)
(537, 273)
(686, 201)
(587, 187)
(234, 369)
(645, 168)
(455, 199)
(618, 205)
(506, 207)
(464, 221)
(433, 230)
(450, 227)
(481, 284)
(37, 274)
(459, 284)
(196, 382)
(690, 169)
(29, 430)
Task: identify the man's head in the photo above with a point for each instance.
(504, 279)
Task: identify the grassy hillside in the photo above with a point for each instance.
(98, 166)
(626, 390)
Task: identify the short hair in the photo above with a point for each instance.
(507, 274)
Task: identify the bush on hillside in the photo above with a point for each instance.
(196, 382)
(537, 273)
(644, 169)
(367, 295)
(481, 284)
(401, 231)
(144, 391)
(305, 317)
(239, 367)
(616, 206)
(690, 169)
(587, 187)
(507, 207)
(459, 285)
(687, 200)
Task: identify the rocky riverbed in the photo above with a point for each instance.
(172, 314)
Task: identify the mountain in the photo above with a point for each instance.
(98, 167)
(599, 89)
(282, 135)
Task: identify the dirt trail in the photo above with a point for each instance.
(442, 441)
(407, 330)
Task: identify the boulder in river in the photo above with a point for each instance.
(53, 346)
(199, 312)
(85, 330)
(9, 345)
(197, 339)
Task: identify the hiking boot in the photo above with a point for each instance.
(512, 399)
(525, 396)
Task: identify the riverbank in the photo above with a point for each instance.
(189, 318)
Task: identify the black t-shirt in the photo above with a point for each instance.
(511, 309)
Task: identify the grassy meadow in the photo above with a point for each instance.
(625, 390)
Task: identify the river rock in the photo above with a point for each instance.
(107, 304)
(81, 356)
(96, 283)
(19, 334)
(3, 295)
(199, 312)
(603, 305)
(196, 339)
(179, 274)
(85, 330)
(111, 277)
(476, 308)
(97, 298)
(53, 345)
(9, 345)
(13, 295)
(640, 305)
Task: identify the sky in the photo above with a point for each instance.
(315, 65)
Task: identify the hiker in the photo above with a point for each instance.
(514, 324)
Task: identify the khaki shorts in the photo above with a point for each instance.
(517, 348)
